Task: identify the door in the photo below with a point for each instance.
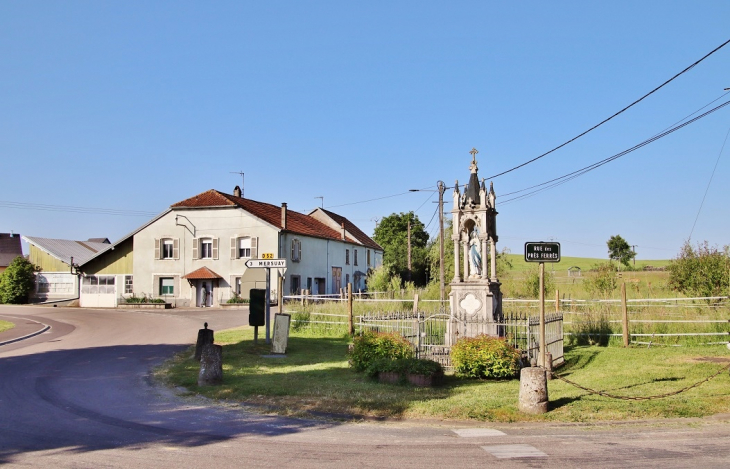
(205, 293)
(336, 280)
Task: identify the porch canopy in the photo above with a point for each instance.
(202, 273)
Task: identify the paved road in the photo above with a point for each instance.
(79, 395)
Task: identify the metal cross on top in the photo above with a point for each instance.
(474, 152)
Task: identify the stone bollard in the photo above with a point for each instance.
(211, 365)
(205, 336)
(533, 391)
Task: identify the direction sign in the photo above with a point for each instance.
(542, 252)
(266, 263)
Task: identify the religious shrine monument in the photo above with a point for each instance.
(476, 299)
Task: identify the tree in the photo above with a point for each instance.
(17, 281)
(392, 234)
(601, 280)
(620, 250)
(704, 271)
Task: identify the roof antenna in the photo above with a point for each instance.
(321, 201)
(242, 180)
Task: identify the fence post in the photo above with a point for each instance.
(349, 309)
(415, 303)
(625, 312)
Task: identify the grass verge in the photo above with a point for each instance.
(315, 377)
(5, 326)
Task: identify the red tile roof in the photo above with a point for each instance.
(296, 222)
(354, 230)
(202, 273)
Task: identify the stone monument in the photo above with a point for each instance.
(476, 299)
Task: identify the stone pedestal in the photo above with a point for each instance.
(211, 365)
(533, 391)
(476, 308)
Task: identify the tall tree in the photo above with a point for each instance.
(392, 234)
(620, 250)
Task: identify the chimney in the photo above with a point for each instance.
(343, 231)
(237, 191)
(283, 216)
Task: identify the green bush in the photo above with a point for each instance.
(18, 281)
(371, 346)
(404, 366)
(601, 280)
(238, 300)
(485, 357)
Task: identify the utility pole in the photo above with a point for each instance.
(409, 247)
(442, 188)
(633, 248)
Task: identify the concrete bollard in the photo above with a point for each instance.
(211, 365)
(205, 336)
(533, 391)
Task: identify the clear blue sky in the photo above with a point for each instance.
(133, 106)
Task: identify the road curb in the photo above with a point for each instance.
(45, 328)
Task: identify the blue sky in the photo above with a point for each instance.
(132, 106)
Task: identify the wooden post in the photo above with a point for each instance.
(557, 301)
(541, 359)
(349, 309)
(415, 303)
(625, 312)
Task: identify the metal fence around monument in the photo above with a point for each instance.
(428, 332)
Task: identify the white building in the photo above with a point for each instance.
(195, 252)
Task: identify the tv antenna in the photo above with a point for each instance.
(321, 197)
(242, 179)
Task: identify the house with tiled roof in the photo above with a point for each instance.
(10, 248)
(195, 253)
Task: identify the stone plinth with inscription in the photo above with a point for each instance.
(476, 299)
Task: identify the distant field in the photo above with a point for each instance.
(585, 264)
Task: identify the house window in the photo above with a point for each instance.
(95, 284)
(244, 247)
(368, 257)
(296, 284)
(167, 286)
(296, 250)
(347, 257)
(167, 252)
(206, 248)
(128, 284)
(354, 256)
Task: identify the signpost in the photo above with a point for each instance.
(267, 264)
(542, 252)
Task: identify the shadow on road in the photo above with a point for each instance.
(101, 398)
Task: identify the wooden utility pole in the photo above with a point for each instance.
(625, 311)
(442, 289)
(409, 248)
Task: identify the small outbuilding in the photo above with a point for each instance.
(574, 271)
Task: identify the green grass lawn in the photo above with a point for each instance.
(5, 325)
(315, 377)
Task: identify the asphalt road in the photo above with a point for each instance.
(79, 395)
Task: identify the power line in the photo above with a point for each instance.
(708, 185)
(73, 209)
(614, 115)
(369, 200)
(570, 176)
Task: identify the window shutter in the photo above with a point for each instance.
(155, 285)
(254, 248)
(215, 248)
(157, 249)
(196, 243)
(234, 251)
(176, 248)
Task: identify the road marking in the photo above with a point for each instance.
(514, 451)
(477, 432)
